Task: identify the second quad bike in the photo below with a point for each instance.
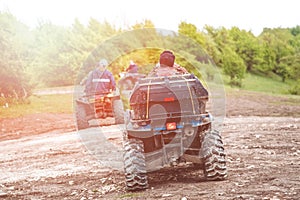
(99, 106)
(128, 80)
(167, 123)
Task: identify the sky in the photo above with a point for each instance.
(250, 15)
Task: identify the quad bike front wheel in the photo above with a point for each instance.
(127, 84)
(82, 122)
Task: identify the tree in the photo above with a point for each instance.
(295, 30)
(13, 57)
(211, 46)
(50, 66)
(228, 50)
(233, 66)
(247, 46)
(278, 50)
(191, 31)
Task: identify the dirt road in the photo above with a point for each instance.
(260, 132)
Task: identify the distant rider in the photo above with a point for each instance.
(100, 80)
(132, 68)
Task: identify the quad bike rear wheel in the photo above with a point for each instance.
(82, 122)
(135, 165)
(214, 157)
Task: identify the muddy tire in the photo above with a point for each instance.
(135, 165)
(127, 84)
(118, 110)
(127, 117)
(212, 151)
(81, 121)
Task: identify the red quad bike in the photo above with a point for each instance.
(99, 106)
(167, 124)
(128, 80)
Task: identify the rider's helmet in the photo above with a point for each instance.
(103, 62)
(167, 58)
(131, 62)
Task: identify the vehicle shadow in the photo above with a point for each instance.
(182, 174)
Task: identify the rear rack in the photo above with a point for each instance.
(165, 80)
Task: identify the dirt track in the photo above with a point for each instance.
(261, 136)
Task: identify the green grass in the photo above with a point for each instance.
(62, 103)
(259, 83)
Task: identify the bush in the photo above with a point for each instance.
(295, 89)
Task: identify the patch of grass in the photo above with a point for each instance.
(71, 87)
(62, 103)
(260, 83)
(265, 84)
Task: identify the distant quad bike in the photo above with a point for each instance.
(128, 80)
(168, 124)
(99, 106)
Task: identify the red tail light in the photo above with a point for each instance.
(171, 126)
(169, 99)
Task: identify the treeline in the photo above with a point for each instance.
(51, 55)
(237, 51)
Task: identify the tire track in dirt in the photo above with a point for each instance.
(262, 158)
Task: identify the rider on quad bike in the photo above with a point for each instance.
(101, 98)
(167, 123)
(100, 80)
(167, 66)
(132, 68)
(130, 76)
